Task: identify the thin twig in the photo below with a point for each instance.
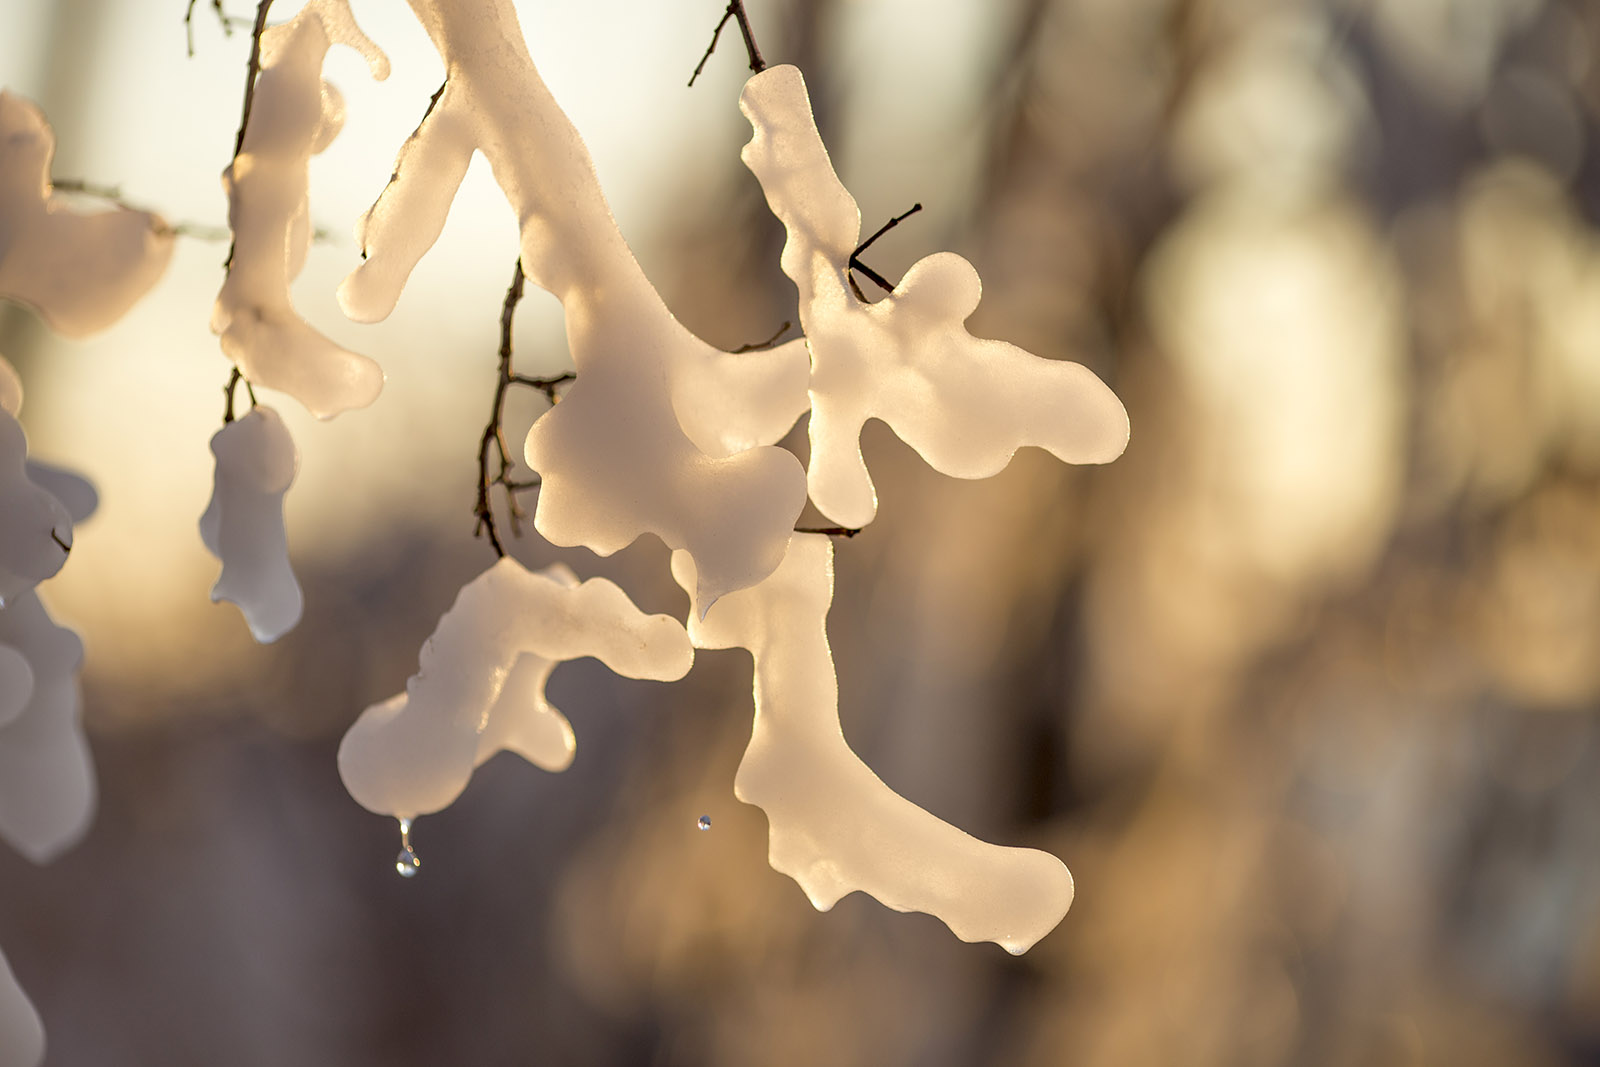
(768, 343)
(223, 17)
(494, 431)
(65, 547)
(831, 531)
(736, 12)
(872, 275)
(252, 74)
(228, 391)
(112, 194)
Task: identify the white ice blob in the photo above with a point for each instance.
(47, 787)
(835, 827)
(661, 433)
(965, 404)
(294, 115)
(80, 271)
(21, 1033)
(243, 524)
(480, 688)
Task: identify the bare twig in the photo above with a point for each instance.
(494, 431)
(872, 275)
(112, 194)
(57, 539)
(736, 12)
(768, 343)
(252, 74)
(228, 390)
(227, 21)
(832, 531)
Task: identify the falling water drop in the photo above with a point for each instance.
(406, 864)
(704, 823)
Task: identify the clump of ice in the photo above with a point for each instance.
(965, 404)
(480, 686)
(661, 433)
(243, 525)
(81, 271)
(294, 115)
(834, 826)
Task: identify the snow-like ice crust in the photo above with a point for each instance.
(243, 525)
(294, 115)
(480, 686)
(965, 404)
(661, 433)
(81, 271)
(834, 826)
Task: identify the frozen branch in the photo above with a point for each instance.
(736, 12)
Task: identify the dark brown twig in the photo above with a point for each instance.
(228, 391)
(736, 12)
(832, 531)
(65, 547)
(768, 343)
(112, 194)
(252, 74)
(494, 431)
(228, 21)
(872, 275)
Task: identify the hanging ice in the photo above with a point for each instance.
(21, 1033)
(480, 688)
(965, 404)
(661, 433)
(294, 115)
(47, 785)
(834, 826)
(243, 524)
(80, 271)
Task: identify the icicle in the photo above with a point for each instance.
(834, 826)
(661, 433)
(243, 524)
(480, 687)
(47, 787)
(294, 115)
(966, 405)
(80, 271)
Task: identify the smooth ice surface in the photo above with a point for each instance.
(31, 519)
(21, 1033)
(965, 404)
(480, 688)
(243, 524)
(661, 433)
(47, 788)
(16, 684)
(834, 826)
(81, 271)
(295, 115)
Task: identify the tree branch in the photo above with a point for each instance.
(736, 12)
(872, 275)
(768, 343)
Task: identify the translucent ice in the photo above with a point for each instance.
(480, 688)
(47, 785)
(834, 826)
(21, 1034)
(295, 114)
(661, 433)
(80, 271)
(965, 404)
(243, 524)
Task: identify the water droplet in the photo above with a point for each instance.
(704, 823)
(407, 863)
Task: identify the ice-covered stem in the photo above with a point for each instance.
(494, 431)
(736, 12)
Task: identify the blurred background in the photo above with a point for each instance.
(1304, 688)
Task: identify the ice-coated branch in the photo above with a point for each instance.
(289, 115)
(80, 271)
(660, 433)
(243, 524)
(493, 436)
(834, 826)
(965, 404)
(734, 11)
(480, 686)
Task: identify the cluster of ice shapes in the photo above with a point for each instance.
(664, 434)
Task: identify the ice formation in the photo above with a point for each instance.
(47, 785)
(35, 528)
(293, 116)
(480, 686)
(965, 404)
(661, 433)
(834, 826)
(21, 1033)
(243, 524)
(81, 271)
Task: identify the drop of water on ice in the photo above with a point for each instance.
(704, 823)
(406, 864)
